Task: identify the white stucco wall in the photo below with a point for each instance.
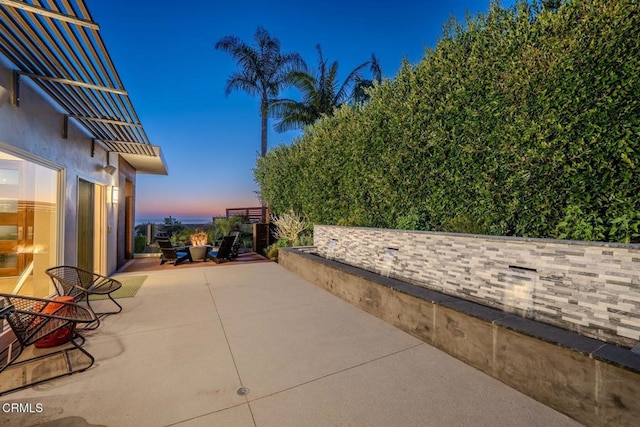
(35, 128)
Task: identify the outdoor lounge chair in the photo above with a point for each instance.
(235, 246)
(31, 320)
(224, 251)
(173, 254)
(81, 284)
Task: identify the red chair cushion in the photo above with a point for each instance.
(60, 336)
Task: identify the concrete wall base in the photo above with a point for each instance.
(591, 381)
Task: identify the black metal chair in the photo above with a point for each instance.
(170, 253)
(81, 284)
(224, 251)
(32, 319)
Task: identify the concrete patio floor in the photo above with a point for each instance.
(191, 338)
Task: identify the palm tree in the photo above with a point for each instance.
(360, 94)
(263, 71)
(320, 91)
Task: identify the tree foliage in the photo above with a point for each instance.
(262, 70)
(522, 121)
(321, 94)
(362, 86)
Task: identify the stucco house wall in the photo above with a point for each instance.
(35, 129)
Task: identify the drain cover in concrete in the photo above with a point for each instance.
(243, 391)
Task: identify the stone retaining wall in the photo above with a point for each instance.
(593, 382)
(590, 288)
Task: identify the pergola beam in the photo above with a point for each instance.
(44, 12)
(65, 130)
(110, 121)
(73, 82)
(57, 45)
(133, 147)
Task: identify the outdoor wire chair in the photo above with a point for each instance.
(81, 284)
(31, 320)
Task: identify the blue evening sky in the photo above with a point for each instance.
(164, 53)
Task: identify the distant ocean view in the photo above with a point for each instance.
(183, 220)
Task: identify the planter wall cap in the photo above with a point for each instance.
(551, 334)
(619, 356)
(478, 311)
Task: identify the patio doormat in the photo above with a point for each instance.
(130, 287)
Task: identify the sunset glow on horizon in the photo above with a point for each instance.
(176, 80)
(194, 209)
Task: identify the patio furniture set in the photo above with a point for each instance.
(226, 250)
(44, 323)
(41, 323)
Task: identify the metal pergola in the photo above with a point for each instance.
(56, 44)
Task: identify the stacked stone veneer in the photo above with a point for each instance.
(588, 287)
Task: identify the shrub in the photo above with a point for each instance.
(523, 121)
(289, 226)
(272, 251)
(140, 243)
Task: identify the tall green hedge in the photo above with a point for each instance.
(520, 122)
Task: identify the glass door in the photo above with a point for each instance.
(12, 213)
(28, 225)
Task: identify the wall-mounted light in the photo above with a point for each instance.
(110, 169)
(4, 95)
(115, 193)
